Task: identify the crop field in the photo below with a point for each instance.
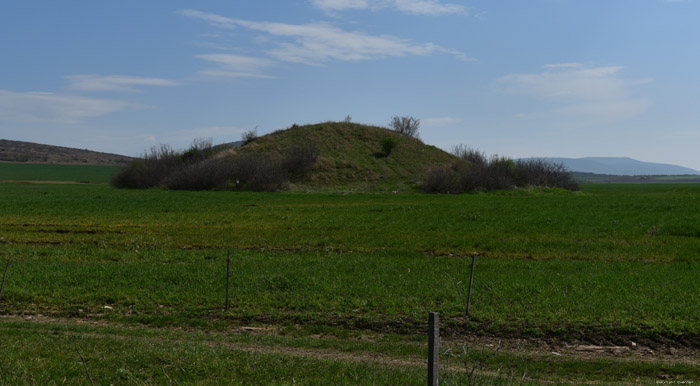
(56, 172)
(128, 286)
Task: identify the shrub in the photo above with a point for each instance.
(149, 171)
(299, 159)
(388, 144)
(474, 156)
(407, 126)
(447, 179)
(473, 171)
(209, 174)
(538, 172)
(249, 136)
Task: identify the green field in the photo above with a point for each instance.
(56, 172)
(335, 286)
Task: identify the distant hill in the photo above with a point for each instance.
(620, 166)
(351, 155)
(17, 151)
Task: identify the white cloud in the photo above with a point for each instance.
(428, 7)
(578, 90)
(321, 42)
(213, 19)
(235, 66)
(317, 43)
(49, 107)
(115, 82)
(416, 7)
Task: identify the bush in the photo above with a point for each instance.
(407, 126)
(473, 172)
(538, 172)
(149, 171)
(388, 144)
(299, 159)
(249, 136)
(209, 174)
(468, 154)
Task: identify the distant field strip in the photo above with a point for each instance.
(56, 172)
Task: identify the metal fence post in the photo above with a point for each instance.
(228, 264)
(433, 348)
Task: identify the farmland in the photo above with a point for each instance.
(56, 172)
(338, 286)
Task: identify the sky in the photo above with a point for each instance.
(535, 78)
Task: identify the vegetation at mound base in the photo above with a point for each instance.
(335, 155)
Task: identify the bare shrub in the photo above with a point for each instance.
(474, 172)
(447, 179)
(300, 159)
(407, 126)
(212, 173)
(258, 173)
(474, 156)
(538, 172)
(249, 136)
(149, 171)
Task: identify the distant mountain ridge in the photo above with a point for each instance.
(18, 151)
(621, 166)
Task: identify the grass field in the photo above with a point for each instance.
(334, 286)
(56, 172)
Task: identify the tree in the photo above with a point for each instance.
(407, 126)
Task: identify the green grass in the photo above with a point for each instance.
(352, 156)
(56, 172)
(610, 264)
(658, 223)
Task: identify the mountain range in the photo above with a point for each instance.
(621, 166)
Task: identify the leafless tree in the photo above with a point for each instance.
(405, 125)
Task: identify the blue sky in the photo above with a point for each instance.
(567, 78)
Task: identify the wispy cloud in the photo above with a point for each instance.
(575, 89)
(49, 107)
(235, 66)
(115, 82)
(415, 7)
(213, 19)
(440, 121)
(317, 43)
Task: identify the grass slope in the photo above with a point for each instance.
(351, 156)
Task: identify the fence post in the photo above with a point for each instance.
(228, 264)
(471, 279)
(433, 348)
(4, 276)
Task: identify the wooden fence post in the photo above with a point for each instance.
(433, 348)
(4, 276)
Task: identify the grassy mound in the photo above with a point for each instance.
(353, 156)
(325, 156)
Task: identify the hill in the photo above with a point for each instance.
(28, 152)
(351, 155)
(325, 156)
(621, 166)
